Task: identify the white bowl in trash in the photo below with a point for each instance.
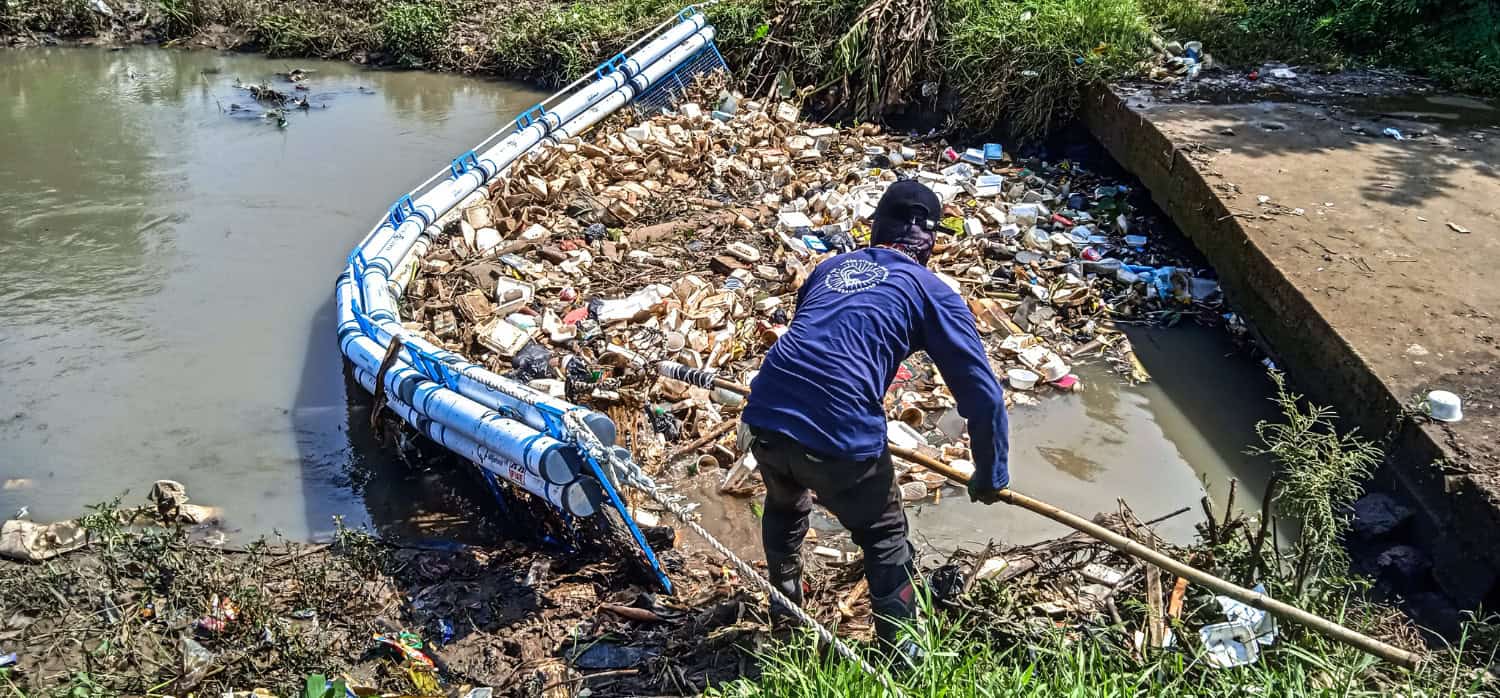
(1054, 369)
(1022, 379)
(1444, 406)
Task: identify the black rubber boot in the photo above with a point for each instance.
(893, 601)
(892, 611)
(786, 576)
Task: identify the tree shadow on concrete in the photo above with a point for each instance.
(1438, 149)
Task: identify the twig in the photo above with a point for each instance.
(586, 677)
(846, 604)
(1164, 517)
(1265, 523)
(1234, 484)
(310, 550)
(1211, 521)
(714, 433)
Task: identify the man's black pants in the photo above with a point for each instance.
(862, 495)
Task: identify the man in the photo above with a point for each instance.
(815, 410)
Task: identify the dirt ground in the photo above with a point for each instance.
(1366, 261)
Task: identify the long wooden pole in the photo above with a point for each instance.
(1135, 549)
(1130, 547)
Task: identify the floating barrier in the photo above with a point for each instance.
(562, 453)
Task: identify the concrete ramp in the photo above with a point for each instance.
(1370, 265)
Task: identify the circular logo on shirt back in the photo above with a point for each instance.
(855, 275)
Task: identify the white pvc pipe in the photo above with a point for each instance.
(579, 498)
(386, 248)
(639, 84)
(474, 381)
(542, 455)
(466, 420)
(379, 292)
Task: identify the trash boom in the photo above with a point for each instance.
(393, 243)
(580, 497)
(541, 455)
(561, 452)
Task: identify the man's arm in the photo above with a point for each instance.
(954, 345)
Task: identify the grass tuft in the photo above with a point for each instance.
(412, 31)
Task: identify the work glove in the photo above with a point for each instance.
(980, 490)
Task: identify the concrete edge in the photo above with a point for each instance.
(1457, 515)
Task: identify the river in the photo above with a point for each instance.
(167, 310)
(167, 291)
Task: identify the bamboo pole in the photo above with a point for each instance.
(1128, 546)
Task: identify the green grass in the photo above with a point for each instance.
(960, 662)
(1025, 61)
(411, 32)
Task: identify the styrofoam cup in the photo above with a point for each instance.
(1444, 406)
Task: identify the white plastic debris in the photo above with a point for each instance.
(1238, 641)
(901, 434)
(991, 568)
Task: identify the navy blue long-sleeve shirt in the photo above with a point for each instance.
(859, 315)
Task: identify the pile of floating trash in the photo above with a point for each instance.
(684, 236)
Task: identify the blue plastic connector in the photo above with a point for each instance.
(532, 116)
(617, 63)
(464, 163)
(404, 209)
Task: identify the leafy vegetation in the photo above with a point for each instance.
(1320, 474)
(1455, 41)
(66, 18)
(411, 31)
(989, 63)
(998, 646)
(960, 663)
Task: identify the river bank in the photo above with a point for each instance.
(133, 599)
(981, 66)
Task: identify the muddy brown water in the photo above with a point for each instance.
(1158, 446)
(167, 291)
(167, 312)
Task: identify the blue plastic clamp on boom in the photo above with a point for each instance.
(404, 209)
(464, 163)
(619, 62)
(688, 13)
(534, 115)
(366, 323)
(435, 369)
(357, 266)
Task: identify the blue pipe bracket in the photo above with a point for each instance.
(534, 115)
(463, 164)
(617, 63)
(434, 368)
(404, 209)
